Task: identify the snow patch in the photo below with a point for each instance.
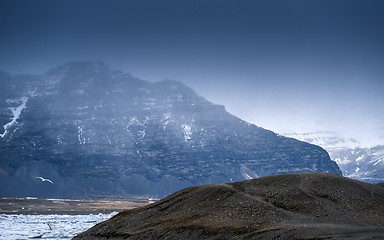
(166, 120)
(376, 162)
(340, 161)
(141, 134)
(134, 121)
(246, 176)
(247, 173)
(80, 134)
(16, 115)
(187, 131)
(82, 107)
(358, 159)
(150, 103)
(326, 139)
(59, 140)
(146, 120)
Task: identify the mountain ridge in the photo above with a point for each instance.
(97, 131)
(355, 160)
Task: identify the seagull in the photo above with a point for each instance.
(45, 179)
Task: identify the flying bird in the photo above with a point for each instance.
(45, 179)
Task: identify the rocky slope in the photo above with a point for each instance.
(96, 131)
(293, 206)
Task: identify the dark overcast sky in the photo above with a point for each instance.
(283, 65)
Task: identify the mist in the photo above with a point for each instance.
(286, 66)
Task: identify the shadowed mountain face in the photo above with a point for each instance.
(292, 206)
(96, 131)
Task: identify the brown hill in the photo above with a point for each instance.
(293, 206)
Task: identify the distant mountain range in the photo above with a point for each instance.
(94, 131)
(354, 160)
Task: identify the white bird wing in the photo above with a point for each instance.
(48, 181)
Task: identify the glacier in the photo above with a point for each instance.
(52, 226)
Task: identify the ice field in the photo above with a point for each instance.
(19, 226)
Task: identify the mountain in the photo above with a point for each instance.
(354, 160)
(292, 206)
(94, 131)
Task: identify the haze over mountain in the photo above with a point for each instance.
(323, 58)
(95, 131)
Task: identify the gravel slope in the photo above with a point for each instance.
(293, 206)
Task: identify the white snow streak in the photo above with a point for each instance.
(246, 176)
(80, 134)
(376, 162)
(16, 114)
(358, 159)
(166, 120)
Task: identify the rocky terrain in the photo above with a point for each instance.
(292, 206)
(95, 131)
(365, 163)
(33, 206)
(362, 163)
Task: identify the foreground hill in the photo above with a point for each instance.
(94, 131)
(293, 206)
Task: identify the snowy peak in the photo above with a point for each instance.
(354, 160)
(325, 139)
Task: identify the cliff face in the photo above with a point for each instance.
(95, 131)
(291, 206)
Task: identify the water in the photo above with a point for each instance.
(19, 226)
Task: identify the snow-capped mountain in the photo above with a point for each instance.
(97, 131)
(354, 159)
